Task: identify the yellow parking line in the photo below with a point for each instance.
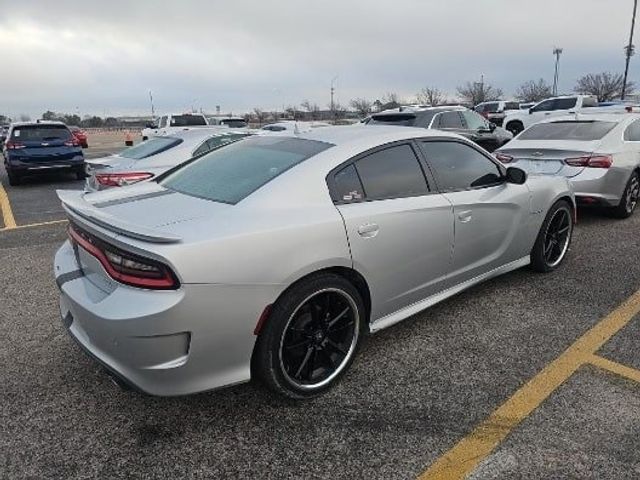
(31, 225)
(615, 367)
(463, 458)
(5, 207)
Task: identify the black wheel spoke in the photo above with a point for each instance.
(338, 317)
(304, 362)
(336, 347)
(302, 343)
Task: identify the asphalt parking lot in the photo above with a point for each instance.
(524, 376)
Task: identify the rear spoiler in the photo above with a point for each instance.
(77, 207)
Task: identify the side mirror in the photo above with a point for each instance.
(492, 126)
(151, 125)
(516, 175)
(530, 110)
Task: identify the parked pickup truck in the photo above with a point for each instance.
(174, 122)
(517, 120)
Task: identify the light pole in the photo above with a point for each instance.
(153, 111)
(629, 50)
(333, 114)
(556, 52)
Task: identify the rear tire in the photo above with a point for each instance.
(629, 199)
(311, 337)
(554, 238)
(515, 127)
(14, 178)
(80, 174)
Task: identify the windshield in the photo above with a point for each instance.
(570, 130)
(234, 171)
(187, 120)
(39, 133)
(150, 147)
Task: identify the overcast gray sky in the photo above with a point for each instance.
(103, 57)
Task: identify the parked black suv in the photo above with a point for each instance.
(38, 147)
(456, 119)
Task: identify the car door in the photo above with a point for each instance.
(480, 130)
(489, 213)
(399, 230)
(451, 121)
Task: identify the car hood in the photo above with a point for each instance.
(146, 212)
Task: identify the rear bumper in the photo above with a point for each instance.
(600, 186)
(44, 164)
(167, 343)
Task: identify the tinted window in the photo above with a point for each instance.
(150, 147)
(234, 123)
(459, 166)
(40, 133)
(564, 103)
(391, 173)
(219, 141)
(204, 148)
(231, 173)
(511, 106)
(187, 120)
(474, 121)
(163, 122)
(571, 130)
(448, 120)
(404, 119)
(543, 106)
(274, 128)
(632, 133)
(347, 185)
(491, 107)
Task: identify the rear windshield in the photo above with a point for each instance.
(274, 128)
(234, 171)
(404, 119)
(40, 133)
(234, 123)
(187, 120)
(572, 130)
(488, 107)
(150, 147)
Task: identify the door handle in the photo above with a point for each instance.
(465, 216)
(368, 230)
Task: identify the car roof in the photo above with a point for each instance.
(616, 117)
(202, 133)
(371, 135)
(38, 122)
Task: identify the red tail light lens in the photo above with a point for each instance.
(593, 161)
(125, 267)
(72, 142)
(503, 157)
(11, 145)
(121, 179)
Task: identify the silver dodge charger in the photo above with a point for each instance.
(270, 258)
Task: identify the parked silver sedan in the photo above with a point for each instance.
(271, 257)
(598, 153)
(155, 156)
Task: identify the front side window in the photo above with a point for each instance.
(163, 122)
(545, 106)
(150, 147)
(232, 172)
(490, 107)
(569, 130)
(474, 121)
(448, 120)
(564, 103)
(459, 166)
(512, 106)
(187, 120)
(391, 173)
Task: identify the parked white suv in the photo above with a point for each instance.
(517, 120)
(174, 122)
(496, 111)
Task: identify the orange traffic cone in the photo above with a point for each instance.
(128, 139)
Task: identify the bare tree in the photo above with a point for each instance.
(390, 100)
(431, 96)
(474, 93)
(24, 117)
(312, 109)
(362, 106)
(339, 111)
(534, 91)
(260, 115)
(606, 85)
(292, 111)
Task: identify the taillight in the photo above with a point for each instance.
(11, 145)
(121, 179)
(593, 161)
(125, 267)
(503, 157)
(72, 142)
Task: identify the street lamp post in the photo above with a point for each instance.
(556, 52)
(629, 50)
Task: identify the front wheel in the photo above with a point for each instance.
(311, 337)
(554, 238)
(629, 199)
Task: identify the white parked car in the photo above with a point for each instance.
(155, 156)
(175, 122)
(292, 126)
(231, 122)
(496, 111)
(598, 153)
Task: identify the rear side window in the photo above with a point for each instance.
(632, 133)
(564, 103)
(231, 173)
(347, 185)
(512, 106)
(150, 147)
(448, 120)
(187, 120)
(460, 167)
(391, 173)
(572, 130)
(491, 107)
(40, 133)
